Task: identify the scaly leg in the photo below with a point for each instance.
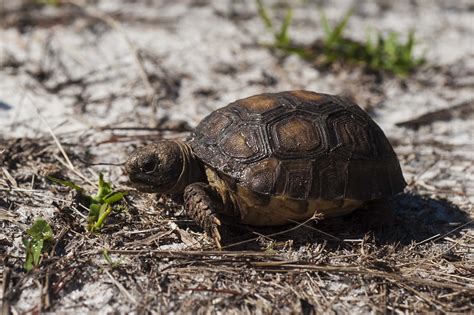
(202, 204)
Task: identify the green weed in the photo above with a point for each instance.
(108, 259)
(54, 3)
(40, 236)
(281, 36)
(100, 205)
(386, 53)
(391, 54)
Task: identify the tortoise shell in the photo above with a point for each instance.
(301, 145)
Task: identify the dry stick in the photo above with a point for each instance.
(10, 178)
(122, 288)
(271, 235)
(317, 287)
(75, 172)
(419, 262)
(169, 253)
(329, 305)
(438, 237)
(6, 283)
(225, 291)
(118, 27)
(293, 267)
(149, 239)
(363, 271)
(320, 231)
(436, 304)
(70, 166)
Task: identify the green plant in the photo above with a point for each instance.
(333, 38)
(281, 36)
(100, 205)
(40, 234)
(386, 53)
(391, 54)
(54, 3)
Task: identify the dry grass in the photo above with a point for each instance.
(161, 262)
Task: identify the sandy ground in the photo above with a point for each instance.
(108, 76)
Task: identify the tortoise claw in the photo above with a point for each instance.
(213, 231)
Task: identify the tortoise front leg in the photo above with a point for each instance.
(202, 204)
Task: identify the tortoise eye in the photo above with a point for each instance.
(149, 166)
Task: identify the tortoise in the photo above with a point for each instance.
(271, 159)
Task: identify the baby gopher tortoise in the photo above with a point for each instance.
(271, 159)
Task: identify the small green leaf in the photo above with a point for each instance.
(36, 249)
(106, 255)
(104, 189)
(105, 210)
(65, 183)
(113, 197)
(40, 230)
(40, 233)
(29, 255)
(99, 204)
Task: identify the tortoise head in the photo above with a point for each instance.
(160, 167)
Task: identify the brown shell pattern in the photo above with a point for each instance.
(300, 144)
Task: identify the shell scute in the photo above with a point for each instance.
(297, 135)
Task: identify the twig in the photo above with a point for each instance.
(5, 285)
(319, 231)
(167, 253)
(121, 288)
(436, 304)
(149, 239)
(270, 235)
(364, 271)
(61, 149)
(212, 290)
(75, 172)
(10, 178)
(334, 299)
(438, 237)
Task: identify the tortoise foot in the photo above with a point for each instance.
(202, 204)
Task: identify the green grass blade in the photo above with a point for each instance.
(263, 13)
(29, 255)
(66, 183)
(334, 34)
(283, 37)
(114, 197)
(105, 210)
(326, 26)
(40, 230)
(36, 249)
(341, 26)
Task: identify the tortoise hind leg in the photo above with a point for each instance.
(202, 204)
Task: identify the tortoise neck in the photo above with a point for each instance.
(192, 170)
